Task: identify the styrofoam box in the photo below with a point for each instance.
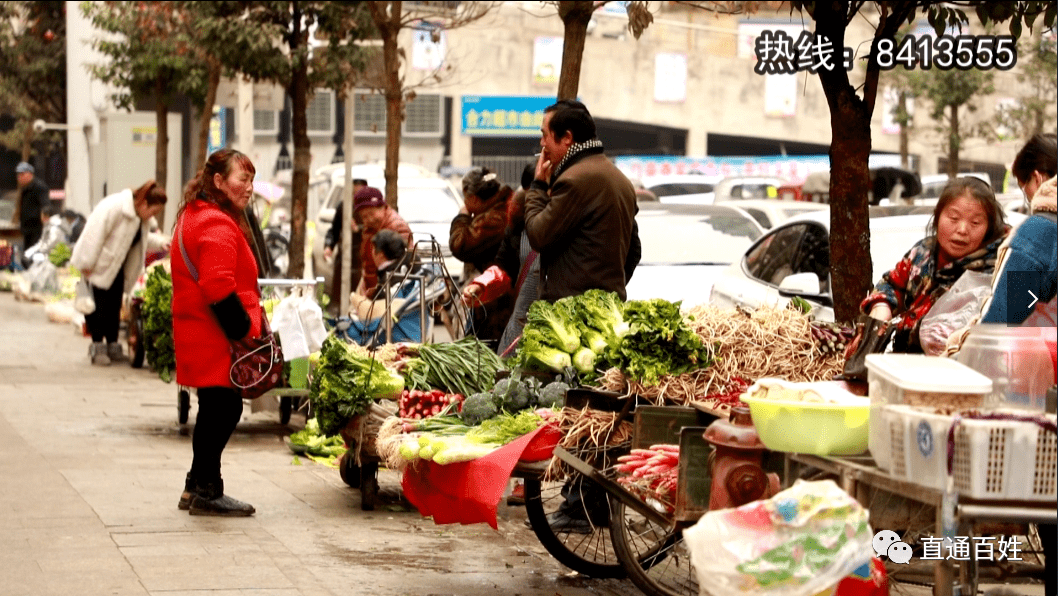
(891, 377)
(993, 459)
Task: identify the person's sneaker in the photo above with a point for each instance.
(115, 353)
(561, 523)
(222, 506)
(517, 496)
(98, 353)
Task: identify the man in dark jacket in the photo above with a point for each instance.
(33, 199)
(580, 209)
(332, 247)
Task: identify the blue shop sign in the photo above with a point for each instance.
(503, 115)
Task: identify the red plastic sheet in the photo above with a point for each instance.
(469, 492)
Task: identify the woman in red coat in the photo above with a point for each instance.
(215, 301)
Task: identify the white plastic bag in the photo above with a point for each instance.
(800, 542)
(311, 316)
(953, 311)
(286, 323)
(83, 300)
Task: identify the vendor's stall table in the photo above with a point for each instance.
(916, 512)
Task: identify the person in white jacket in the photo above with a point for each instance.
(110, 255)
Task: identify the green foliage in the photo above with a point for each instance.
(60, 255)
(345, 383)
(32, 68)
(554, 324)
(505, 427)
(658, 343)
(157, 313)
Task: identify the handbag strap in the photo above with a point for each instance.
(180, 240)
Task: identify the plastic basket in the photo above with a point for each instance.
(993, 459)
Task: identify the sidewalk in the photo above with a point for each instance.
(93, 461)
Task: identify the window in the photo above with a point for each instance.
(265, 122)
(369, 114)
(801, 248)
(320, 113)
(424, 116)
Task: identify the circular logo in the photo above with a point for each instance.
(924, 436)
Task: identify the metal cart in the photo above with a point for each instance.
(287, 395)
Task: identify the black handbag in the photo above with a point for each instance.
(872, 337)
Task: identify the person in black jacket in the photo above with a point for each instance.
(33, 199)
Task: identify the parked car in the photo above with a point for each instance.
(738, 188)
(772, 212)
(685, 247)
(933, 184)
(794, 259)
(687, 188)
(426, 201)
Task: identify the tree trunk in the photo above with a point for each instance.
(575, 14)
(299, 92)
(202, 145)
(905, 159)
(27, 142)
(953, 143)
(394, 99)
(850, 180)
(161, 147)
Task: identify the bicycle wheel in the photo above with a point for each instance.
(655, 557)
(589, 553)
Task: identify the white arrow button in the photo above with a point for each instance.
(1034, 299)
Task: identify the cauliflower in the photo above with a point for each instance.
(553, 395)
(478, 408)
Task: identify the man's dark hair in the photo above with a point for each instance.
(569, 115)
(390, 244)
(1038, 155)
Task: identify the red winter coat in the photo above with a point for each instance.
(219, 251)
(369, 272)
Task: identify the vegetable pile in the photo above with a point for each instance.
(60, 255)
(465, 367)
(651, 473)
(574, 331)
(417, 404)
(157, 312)
(658, 343)
(345, 384)
(317, 446)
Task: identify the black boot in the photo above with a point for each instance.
(210, 499)
(188, 494)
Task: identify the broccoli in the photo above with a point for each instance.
(553, 395)
(510, 394)
(478, 408)
(555, 324)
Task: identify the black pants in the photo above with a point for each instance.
(105, 321)
(219, 410)
(31, 233)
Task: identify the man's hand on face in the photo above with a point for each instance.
(543, 168)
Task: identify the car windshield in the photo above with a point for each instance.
(427, 205)
(682, 188)
(707, 237)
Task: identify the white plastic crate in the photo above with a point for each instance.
(916, 379)
(993, 459)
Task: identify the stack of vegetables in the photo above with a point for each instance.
(651, 473)
(157, 313)
(644, 339)
(486, 421)
(346, 382)
(316, 446)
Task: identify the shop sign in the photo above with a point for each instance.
(503, 115)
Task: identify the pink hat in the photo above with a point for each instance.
(369, 196)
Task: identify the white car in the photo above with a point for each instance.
(794, 259)
(772, 212)
(694, 189)
(426, 201)
(685, 247)
(738, 188)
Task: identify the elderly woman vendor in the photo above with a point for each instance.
(964, 234)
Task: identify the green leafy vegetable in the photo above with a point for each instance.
(60, 255)
(657, 343)
(465, 366)
(345, 383)
(157, 313)
(554, 324)
(505, 428)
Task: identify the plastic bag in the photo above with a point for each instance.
(311, 316)
(954, 310)
(84, 301)
(803, 541)
(286, 323)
